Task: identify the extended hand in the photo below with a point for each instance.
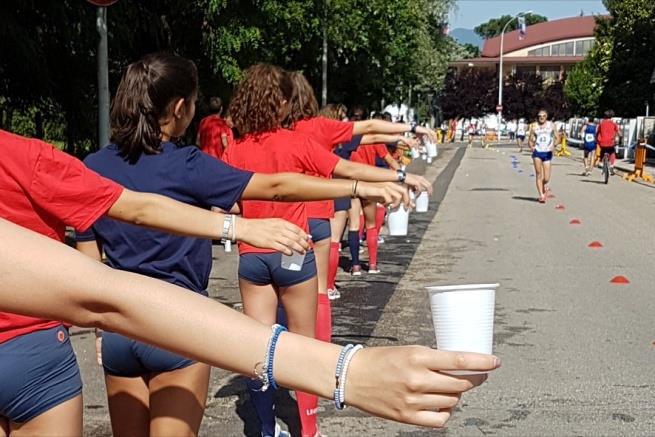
(406, 384)
(432, 135)
(418, 183)
(386, 193)
(274, 233)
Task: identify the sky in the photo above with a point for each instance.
(471, 13)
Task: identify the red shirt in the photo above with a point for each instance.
(276, 152)
(328, 133)
(45, 190)
(607, 131)
(366, 154)
(210, 133)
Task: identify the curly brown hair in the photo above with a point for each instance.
(335, 111)
(302, 103)
(260, 99)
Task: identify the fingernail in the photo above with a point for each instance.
(497, 362)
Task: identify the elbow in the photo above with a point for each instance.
(281, 188)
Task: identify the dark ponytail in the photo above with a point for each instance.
(143, 98)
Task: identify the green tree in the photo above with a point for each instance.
(495, 26)
(584, 86)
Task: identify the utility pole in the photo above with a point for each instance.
(325, 54)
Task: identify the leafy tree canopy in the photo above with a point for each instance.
(494, 27)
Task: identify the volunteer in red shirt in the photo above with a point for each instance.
(264, 146)
(366, 154)
(606, 137)
(214, 132)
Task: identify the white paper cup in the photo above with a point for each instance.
(415, 153)
(398, 221)
(463, 317)
(293, 262)
(422, 202)
(432, 150)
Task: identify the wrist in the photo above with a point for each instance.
(242, 225)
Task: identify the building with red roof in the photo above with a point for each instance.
(549, 49)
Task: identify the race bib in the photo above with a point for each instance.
(543, 141)
(590, 138)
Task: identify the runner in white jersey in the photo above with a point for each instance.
(542, 139)
(520, 134)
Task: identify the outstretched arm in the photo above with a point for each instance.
(386, 127)
(399, 383)
(355, 170)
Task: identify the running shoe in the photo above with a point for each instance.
(333, 293)
(373, 269)
(542, 199)
(380, 239)
(356, 270)
(279, 432)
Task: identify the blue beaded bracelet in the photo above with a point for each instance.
(337, 375)
(270, 355)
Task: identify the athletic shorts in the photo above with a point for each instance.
(319, 229)
(266, 269)
(122, 356)
(38, 372)
(543, 156)
(520, 137)
(607, 150)
(589, 147)
(342, 204)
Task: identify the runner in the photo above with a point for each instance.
(521, 128)
(542, 139)
(588, 134)
(214, 133)
(607, 134)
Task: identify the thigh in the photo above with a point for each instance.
(259, 301)
(547, 168)
(300, 304)
(4, 427)
(129, 405)
(63, 420)
(177, 400)
(538, 165)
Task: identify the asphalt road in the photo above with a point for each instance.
(577, 350)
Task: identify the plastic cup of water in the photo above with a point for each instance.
(463, 317)
(293, 262)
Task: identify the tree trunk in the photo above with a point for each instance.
(38, 125)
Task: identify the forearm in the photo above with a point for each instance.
(363, 172)
(165, 214)
(293, 187)
(68, 286)
(380, 127)
(392, 163)
(381, 139)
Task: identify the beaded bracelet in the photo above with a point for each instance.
(337, 375)
(265, 375)
(270, 354)
(346, 364)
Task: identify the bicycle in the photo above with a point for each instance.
(606, 168)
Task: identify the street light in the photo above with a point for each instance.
(500, 70)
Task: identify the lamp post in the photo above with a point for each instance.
(500, 69)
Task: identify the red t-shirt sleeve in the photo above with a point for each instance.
(335, 132)
(65, 188)
(317, 159)
(381, 150)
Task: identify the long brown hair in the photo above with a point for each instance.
(302, 103)
(143, 98)
(260, 99)
(335, 111)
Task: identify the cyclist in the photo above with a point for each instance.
(542, 139)
(606, 137)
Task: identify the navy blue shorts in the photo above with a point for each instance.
(543, 156)
(589, 147)
(320, 229)
(122, 356)
(342, 204)
(38, 372)
(266, 268)
(520, 137)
